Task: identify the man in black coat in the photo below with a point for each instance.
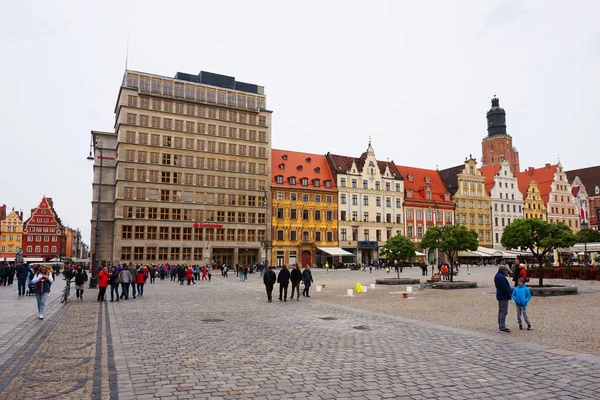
(295, 277)
(22, 273)
(269, 279)
(284, 280)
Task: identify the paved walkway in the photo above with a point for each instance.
(223, 340)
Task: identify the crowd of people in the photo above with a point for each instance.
(520, 294)
(296, 277)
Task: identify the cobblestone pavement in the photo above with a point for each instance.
(222, 340)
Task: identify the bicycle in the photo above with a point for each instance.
(66, 292)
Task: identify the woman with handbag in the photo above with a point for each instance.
(42, 281)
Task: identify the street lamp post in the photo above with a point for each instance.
(584, 226)
(96, 144)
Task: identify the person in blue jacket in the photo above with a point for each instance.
(22, 274)
(503, 295)
(521, 296)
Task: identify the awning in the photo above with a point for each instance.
(419, 254)
(335, 251)
(464, 254)
(7, 259)
(33, 259)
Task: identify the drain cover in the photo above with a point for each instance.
(328, 318)
(362, 327)
(213, 320)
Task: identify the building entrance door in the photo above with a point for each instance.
(306, 258)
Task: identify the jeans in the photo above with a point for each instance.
(21, 285)
(283, 289)
(125, 290)
(140, 289)
(522, 309)
(297, 287)
(114, 291)
(41, 302)
(502, 311)
(133, 289)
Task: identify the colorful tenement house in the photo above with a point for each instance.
(43, 233)
(370, 195)
(555, 191)
(506, 199)
(11, 232)
(427, 203)
(304, 209)
(587, 179)
(467, 185)
(534, 206)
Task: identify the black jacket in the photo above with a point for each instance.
(307, 276)
(284, 277)
(269, 278)
(296, 276)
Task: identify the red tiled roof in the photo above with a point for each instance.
(489, 171)
(414, 180)
(288, 164)
(544, 177)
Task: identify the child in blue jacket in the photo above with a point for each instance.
(521, 296)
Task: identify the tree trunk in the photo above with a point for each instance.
(451, 267)
(541, 262)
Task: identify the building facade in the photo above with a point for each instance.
(497, 146)
(370, 198)
(588, 178)
(427, 203)
(304, 208)
(467, 184)
(533, 204)
(505, 196)
(43, 233)
(11, 235)
(190, 172)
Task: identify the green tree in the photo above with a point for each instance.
(398, 248)
(450, 239)
(537, 236)
(587, 236)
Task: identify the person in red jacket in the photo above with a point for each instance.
(102, 283)
(189, 275)
(141, 280)
(204, 273)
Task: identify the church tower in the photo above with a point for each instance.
(497, 145)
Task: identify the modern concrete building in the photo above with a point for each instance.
(506, 199)
(185, 173)
(371, 197)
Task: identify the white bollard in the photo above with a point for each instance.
(409, 289)
(350, 292)
(364, 288)
(372, 285)
(318, 288)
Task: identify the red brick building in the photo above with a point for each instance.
(498, 145)
(43, 233)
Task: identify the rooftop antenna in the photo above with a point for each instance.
(127, 54)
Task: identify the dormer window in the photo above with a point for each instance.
(282, 166)
(428, 194)
(410, 177)
(284, 157)
(299, 167)
(308, 160)
(279, 179)
(304, 181)
(318, 170)
(316, 182)
(409, 194)
(292, 180)
(427, 179)
(327, 184)
(447, 197)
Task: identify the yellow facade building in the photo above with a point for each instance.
(467, 185)
(303, 208)
(11, 235)
(534, 204)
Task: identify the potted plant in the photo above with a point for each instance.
(584, 274)
(534, 272)
(567, 272)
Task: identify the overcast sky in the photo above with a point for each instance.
(415, 76)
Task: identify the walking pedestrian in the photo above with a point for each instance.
(22, 273)
(152, 271)
(326, 267)
(204, 272)
(189, 275)
(295, 278)
(42, 281)
(503, 295)
(11, 274)
(81, 278)
(269, 280)
(126, 279)
(307, 279)
(133, 272)
(3, 274)
(521, 296)
(141, 277)
(284, 280)
(103, 276)
(114, 284)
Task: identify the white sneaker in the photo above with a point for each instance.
(41, 316)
